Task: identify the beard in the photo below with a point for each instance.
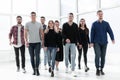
(19, 22)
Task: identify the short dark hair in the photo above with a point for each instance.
(19, 17)
(42, 17)
(33, 13)
(56, 21)
(99, 11)
(71, 14)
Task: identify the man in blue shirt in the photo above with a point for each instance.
(99, 41)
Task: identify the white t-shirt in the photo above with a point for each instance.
(19, 44)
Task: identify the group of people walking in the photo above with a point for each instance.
(57, 43)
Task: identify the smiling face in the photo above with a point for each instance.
(51, 24)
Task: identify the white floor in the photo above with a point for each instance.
(112, 70)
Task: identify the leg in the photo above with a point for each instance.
(53, 55)
(97, 57)
(17, 57)
(85, 49)
(31, 51)
(37, 54)
(103, 54)
(66, 54)
(79, 57)
(45, 58)
(69, 56)
(73, 56)
(22, 49)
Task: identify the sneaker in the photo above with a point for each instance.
(52, 74)
(74, 74)
(23, 70)
(98, 72)
(45, 68)
(37, 71)
(87, 69)
(102, 73)
(66, 70)
(34, 72)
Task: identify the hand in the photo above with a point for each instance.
(10, 43)
(45, 48)
(80, 46)
(58, 49)
(67, 40)
(113, 41)
(26, 44)
(91, 45)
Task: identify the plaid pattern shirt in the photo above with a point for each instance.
(14, 33)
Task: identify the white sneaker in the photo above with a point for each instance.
(74, 74)
(23, 70)
(66, 70)
(45, 68)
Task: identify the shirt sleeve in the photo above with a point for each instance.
(92, 33)
(41, 26)
(109, 30)
(26, 26)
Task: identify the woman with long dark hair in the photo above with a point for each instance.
(59, 55)
(83, 43)
(51, 45)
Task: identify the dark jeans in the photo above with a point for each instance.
(100, 53)
(85, 49)
(34, 50)
(22, 50)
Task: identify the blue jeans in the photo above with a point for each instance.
(72, 48)
(51, 51)
(100, 53)
(45, 57)
(34, 50)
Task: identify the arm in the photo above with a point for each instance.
(92, 35)
(25, 37)
(42, 36)
(10, 35)
(66, 40)
(109, 30)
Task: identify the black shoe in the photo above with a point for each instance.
(34, 72)
(52, 74)
(87, 69)
(98, 72)
(102, 73)
(49, 69)
(79, 67)
(37, 71)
